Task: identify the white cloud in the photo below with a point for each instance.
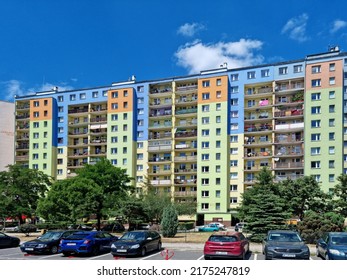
(197, 56)
(296, 28)
(337, 25)
(14, 88)
(190, 29)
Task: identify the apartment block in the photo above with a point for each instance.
(200, 138)
(6, 134)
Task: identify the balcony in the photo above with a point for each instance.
(98, 109)
(186, 123)
(289, 113)
(160, 182)
(159, 159)
(289, 165)
(254, 154)
(186, 111)
(291, 126)
(78, 110)
(186, 146)
(255, 168)
(185, 171)
(184, 182)
(24, 126)
(186, 88)
(159, 135)
(164, 146)
(258, 105)
(22, 147)
(258, 128)
(22, 158)
(283, 139)
(161, 91)
(279, 178)
(160, 112)
(185, 193)
(186, 158)
(160, 125)
(98, 119)
(185, 134)
(22, 116)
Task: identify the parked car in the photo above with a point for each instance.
(226, 244)
(240, 226)
(332, 246)
(138, 242)
(143, 226)
(285, 244)
(7, 241)
(114, 227)
(209, 228)
(219, 225)
(80, 227)
(87, 242)
(47, 243)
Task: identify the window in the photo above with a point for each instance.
(82, 95)
(234, 138)
(139, 156)
(315, 151)
(331, 150)
(36, 135)
(316, 69)
(205, 108)
(114, 117)
(205, 193)
(315, 137)
(140, 88)
(218, 106)
(140, 145)
(265, 73)
(206, 83)
(331, 94)
(315, 110)
(234, 126)
(125, 93)
(233, 163)
(206, 96)
(60, 109)
(204, 206)
(234, 114)
(218, 94)
(217, 193)
(125, 161)
(125, 104)
(298, 68)
(331, 122)
(233, 200)
(205, 145)
(205, 157)
(60, 151)
(140, 134)
(114, 161)
(233, 175)
(114, 94)
(332, 81)
(234, 89)
(331, 164)
(72, 97)
(218, 169)
(316, 83)
(205, 132)
(140, 100)
(233, 188)
(315, 96)
(315, 164)
(95, 94)
(219, 82)
(234, 151)
(205, 181)
(331, 177)
(140, 111)
(218, 144)
(36, 103)
(35, 156)
(140, 122)
(331, 108)
(315, 123)
(218, 119)
(60, 98)
(114, 139)
(218, 131)
(251, 75)
(332, 67)
(234, 77)
(218, 156)
(234, 101)
(125, 116)
(104, 93)
(283, 70)
(36, 114)
(114, 106)
(36, 124)
(205, 169)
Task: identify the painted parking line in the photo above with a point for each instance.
(145, 258)
(199, 259)
(255, 257)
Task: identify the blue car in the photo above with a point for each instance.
(332, 246)
(209, 228)
(87, 242)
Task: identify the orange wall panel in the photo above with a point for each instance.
(121, 100)
(212, 89)
(42, 106)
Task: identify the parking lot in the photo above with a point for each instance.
(170, 251)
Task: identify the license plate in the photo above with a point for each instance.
(288, 255)
(221, 253)
(29, 249)
(70, 244)
(121, 250)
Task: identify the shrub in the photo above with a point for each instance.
(185, 225)
(169, 222)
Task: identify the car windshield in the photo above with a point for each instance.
(284, 237)
(134, 236)
(51, 235)
(77, 236)
(222, 238)
(339, 240)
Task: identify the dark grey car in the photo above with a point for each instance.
(285, 244)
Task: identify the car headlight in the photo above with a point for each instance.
(135, 246)
(336, 252)
(41, 245)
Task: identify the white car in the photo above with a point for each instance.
(219, 225)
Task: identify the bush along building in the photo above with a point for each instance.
(201, 138)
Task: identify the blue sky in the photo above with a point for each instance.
(88, 43)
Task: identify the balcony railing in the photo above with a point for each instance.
(159, 148)
(160, 182)
(185, 182)
(289, 176)
(185, 193)
(261, 127)
(186, 88)
(258, 154)
(177, 170)
(286, 165)
(288, 113)
(186, 158)
(186, 134)
(289, 126)
(186, 111)
(159, 159)
(78, 110)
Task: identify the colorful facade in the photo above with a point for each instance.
(201, 138)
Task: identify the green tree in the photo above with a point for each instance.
(134, 210)
(20, 190)
(262, 207)
(315, 224)
(169, 223)
(304, 194)
(340, 193)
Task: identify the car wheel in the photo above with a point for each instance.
(207, 257)
(54, 249)
(317, 252)
(66, 254)
(143, 251)
(159, 246)
(95, 250)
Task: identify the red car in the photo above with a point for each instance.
(226, 244)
